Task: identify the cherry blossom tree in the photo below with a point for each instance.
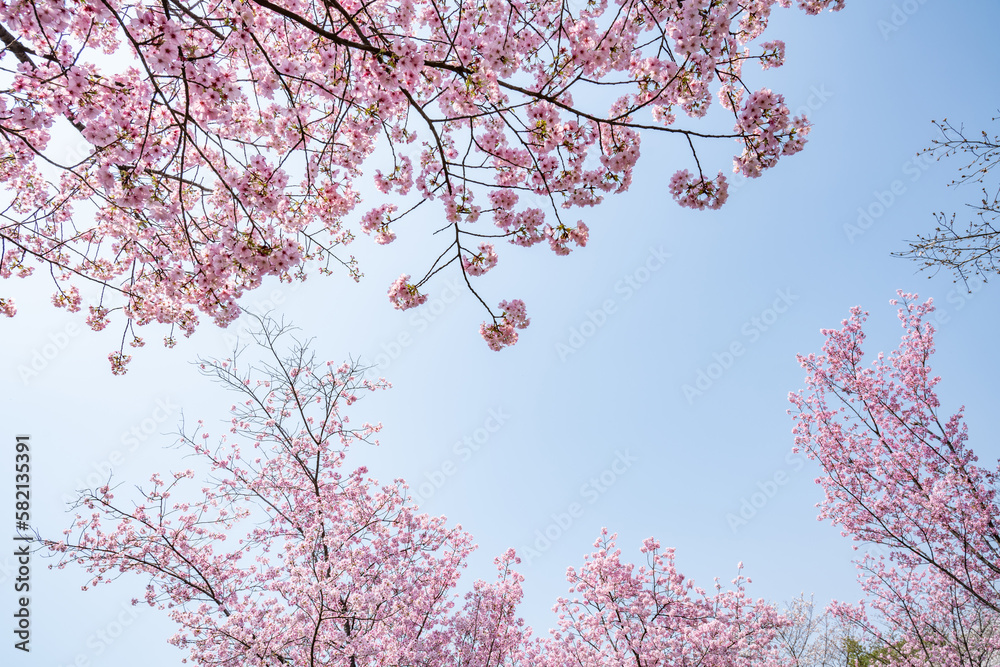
(899, 476)
(284, 555)
(221, 143)
(972, 249)
(813, 637)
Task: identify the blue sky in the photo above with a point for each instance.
(675, 466)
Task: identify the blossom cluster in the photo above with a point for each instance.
(768, 133)
(501, 333)
(377, 220)
(699, 193)
(404, 295)
(561, 235)
(481, 262)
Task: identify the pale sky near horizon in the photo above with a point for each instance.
(589, 409)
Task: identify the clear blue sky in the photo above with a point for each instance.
(684, 462)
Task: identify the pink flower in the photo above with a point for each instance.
(98, 318)
(774, 54)
(699, 194)
(119, 361)
(502, 332)
(478, 264)
(403, 295)
(256, 173)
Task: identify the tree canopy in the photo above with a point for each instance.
(224, 142)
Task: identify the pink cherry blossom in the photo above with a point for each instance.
(898, 473)
(274, 549)
(217, 145)
(481, 262)
(501, 332)
(404, 295)
(699, 194)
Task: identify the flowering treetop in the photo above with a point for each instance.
(899, 474)
(223, 141)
